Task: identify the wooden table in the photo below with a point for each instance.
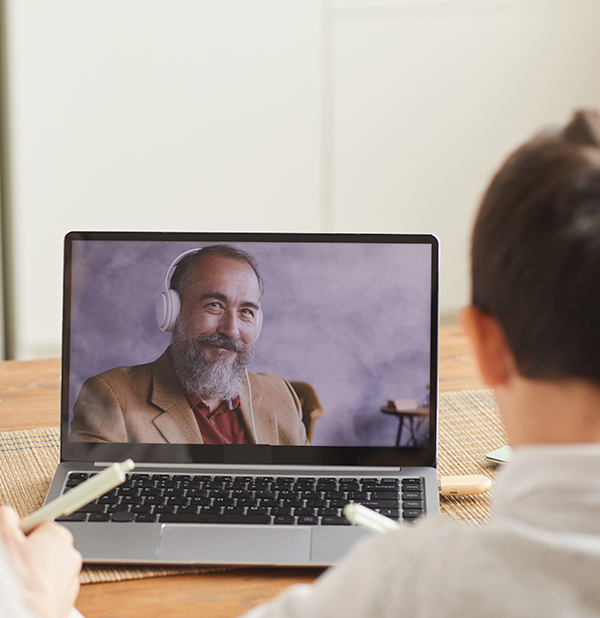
(30, 398)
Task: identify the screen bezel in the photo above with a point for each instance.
(252, 454)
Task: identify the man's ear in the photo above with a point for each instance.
(495, 360)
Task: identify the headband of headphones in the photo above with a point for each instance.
(168, 304)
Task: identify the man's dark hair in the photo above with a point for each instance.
(183, 270)
(536, 252)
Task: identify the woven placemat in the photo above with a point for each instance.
(469, 428)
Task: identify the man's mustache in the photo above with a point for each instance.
(219, 340)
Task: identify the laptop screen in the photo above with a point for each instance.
(250, 348)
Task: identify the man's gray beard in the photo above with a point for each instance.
(203, 378)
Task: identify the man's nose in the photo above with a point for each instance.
(229, 325)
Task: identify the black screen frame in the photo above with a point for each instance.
(252, 454)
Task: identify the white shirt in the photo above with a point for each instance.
(539, 556)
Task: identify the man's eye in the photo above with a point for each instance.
(214, 305)
(248, 312)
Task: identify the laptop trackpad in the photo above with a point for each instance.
(256, 544)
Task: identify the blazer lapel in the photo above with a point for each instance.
(262, 418)
(177, 423)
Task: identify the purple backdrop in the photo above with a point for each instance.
(353, 320)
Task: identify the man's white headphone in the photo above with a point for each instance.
(168, 304)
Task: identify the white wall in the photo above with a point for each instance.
(304, 115)
(157, 115)
(429, 98)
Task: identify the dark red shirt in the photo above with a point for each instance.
(224, 425)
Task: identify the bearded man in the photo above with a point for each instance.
(199, 391)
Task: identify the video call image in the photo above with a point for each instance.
(324, 344)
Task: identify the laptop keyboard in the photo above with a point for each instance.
(181, 498)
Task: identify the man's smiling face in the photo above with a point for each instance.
(219, 307)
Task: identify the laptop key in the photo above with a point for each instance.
(328, 520)
(141, 508)
(292, 502)
(108, 499)
(284, 519)
(264, 493)
(384, 495)
(122, 516)
(325, 484)
(164, 508)
(333, 494)
(166, 483)
(75, 478)
(73, 517)
(145, 517)
(126, 490)
(144, 482)
(356, 496)
(113, 508)
(99, 517)
(78, 475)
(236, 510)
(214, 510)
(328, 512)
(196, 491)
(316, 502)
(174, 491)
(281, 511)
(304, 512)
(308, 520)
(203, 518)
(257, 510)
(373, 504)
(219, 493)
(187, 510)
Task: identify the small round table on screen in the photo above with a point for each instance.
(411, 417)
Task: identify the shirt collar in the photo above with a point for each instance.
(195, 401)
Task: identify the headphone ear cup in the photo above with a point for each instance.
(259, 323)
(168, 306)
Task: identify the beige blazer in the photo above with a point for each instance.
(145, 403)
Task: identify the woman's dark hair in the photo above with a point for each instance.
(536, 252)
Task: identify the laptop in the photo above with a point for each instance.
(260, 381)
